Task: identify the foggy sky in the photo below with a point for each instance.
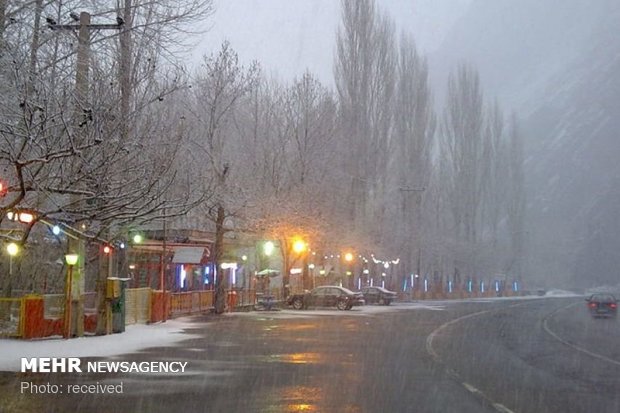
(289, 36)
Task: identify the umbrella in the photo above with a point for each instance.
(269, 272)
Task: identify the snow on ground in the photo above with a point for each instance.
(561, 293)
(135, 337)
(138, 337)
(366, 310)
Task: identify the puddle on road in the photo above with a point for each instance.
(293, 358)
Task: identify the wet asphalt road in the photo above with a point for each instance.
(545, 355)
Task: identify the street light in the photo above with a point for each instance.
(71, 260)
(299, 246)
(13, 249)
(268, 248)
(23, 216)
(348, 257)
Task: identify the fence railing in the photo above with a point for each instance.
(244, 297)
(90, 302)
(11, 317)
(54, 305)
(191, 302)
(137, 305)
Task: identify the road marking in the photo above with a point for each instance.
(571, 345)
(432, 335)
(452, 373)
(470, 387)
(501, 408)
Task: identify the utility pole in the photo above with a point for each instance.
(77, 246)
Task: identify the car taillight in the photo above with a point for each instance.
(613, 305)
(592, 305)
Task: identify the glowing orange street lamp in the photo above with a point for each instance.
(348, 257)
(299, 246)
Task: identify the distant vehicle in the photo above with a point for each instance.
(602, 305)
(378, 295)
(326, 296)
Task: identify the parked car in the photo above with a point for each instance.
(326, 296)
(602, 305)
(378, 295)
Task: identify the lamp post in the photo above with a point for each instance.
(264, 252)
(300, 247)
(348, 257)
(312, 276)
(13, 250)
(246, 280)
(71, 260)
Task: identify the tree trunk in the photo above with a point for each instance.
(105, 270)
(220, 282)
(286, 277)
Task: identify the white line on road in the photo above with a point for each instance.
(472, 389)
(501, 408)
(469, 387)
(571, 345)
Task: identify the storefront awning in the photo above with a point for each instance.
(189, 255)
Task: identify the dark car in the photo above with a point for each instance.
(602, 305)
(378, 295)
(326, 296)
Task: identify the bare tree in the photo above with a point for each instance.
(516, 210)
(219, 87)
(85, 154)
(414, 128)
(496, 157)
(483, 201)
(365, 77)
(462, 157)
(308, 126)
(310, 115)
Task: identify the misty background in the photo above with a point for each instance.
(464, 140)
(554, 62)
